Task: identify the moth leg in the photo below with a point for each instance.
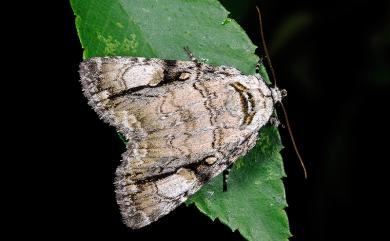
(190, 54)
(258, 64)
(273, 120)
(226, 177)
(258, 67)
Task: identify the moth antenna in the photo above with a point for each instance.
(265, 46)
(274, 78)
(292, 140)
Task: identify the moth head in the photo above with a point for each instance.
(277, 94)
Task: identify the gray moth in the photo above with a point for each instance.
(186, 122)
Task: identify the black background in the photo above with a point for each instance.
(336, 70)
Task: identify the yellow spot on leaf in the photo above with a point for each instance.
(131, 44)
(113, 46)
(110, 44)
(120, 25)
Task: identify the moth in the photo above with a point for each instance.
(185, 123)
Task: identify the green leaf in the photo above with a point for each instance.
(161, 28)
(255, 200)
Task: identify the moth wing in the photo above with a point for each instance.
(109, 81)
(103, 78)
(142, 203)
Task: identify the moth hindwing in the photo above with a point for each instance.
(185, 122)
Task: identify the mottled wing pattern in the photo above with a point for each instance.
(185, 122)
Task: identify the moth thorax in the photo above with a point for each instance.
(277, 94)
